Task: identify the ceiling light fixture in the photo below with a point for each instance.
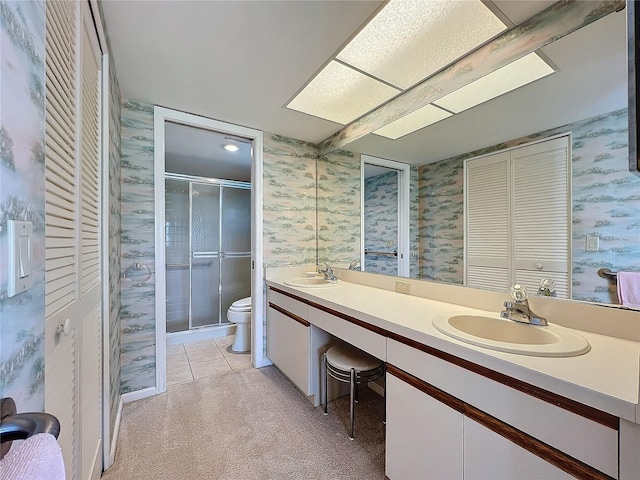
(504, 80)
(230, 147)
(427, 115)
(341, 94)
(410, 40)
(510, 77)
(406, 42)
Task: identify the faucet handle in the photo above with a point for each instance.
(519, 292)
(547, 287)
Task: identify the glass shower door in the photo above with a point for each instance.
(235, 256)
(177, 247)
(205, 254)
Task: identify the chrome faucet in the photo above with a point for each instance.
(328, 273)
(519, 309)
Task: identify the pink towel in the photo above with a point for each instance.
(629, 289)
(38, 458)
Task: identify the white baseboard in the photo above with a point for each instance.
(264, 362)
(114, 437)
(199, 334)
(138, 394)
(96, 470)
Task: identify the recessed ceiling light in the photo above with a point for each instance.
(409, 40)
(230, 147)
(340, 94)
(515, 75)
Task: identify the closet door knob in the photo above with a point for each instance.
(539, 266)
(64, 327)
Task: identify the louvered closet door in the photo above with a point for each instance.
(73, 288)
(487, 236)
(89, 267)
(541, 205)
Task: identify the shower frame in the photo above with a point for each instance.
(215, 256)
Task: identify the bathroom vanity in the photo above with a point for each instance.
(457, 410)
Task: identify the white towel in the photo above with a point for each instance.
(629, 289)
(38, 458)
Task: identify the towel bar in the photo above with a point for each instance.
(19, 426)
(608, 274)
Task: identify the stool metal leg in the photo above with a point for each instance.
(353, 395)
(357, 389)
(325, 383)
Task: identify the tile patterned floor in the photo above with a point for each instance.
(201, 359)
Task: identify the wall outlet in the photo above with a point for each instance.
(402, 287)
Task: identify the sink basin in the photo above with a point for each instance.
(505, 335)
(312, 282)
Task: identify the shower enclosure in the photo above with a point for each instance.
(207, 250)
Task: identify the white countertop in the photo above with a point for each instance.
(607, 377)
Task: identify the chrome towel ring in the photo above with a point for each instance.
(138, 266)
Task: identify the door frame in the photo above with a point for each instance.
(404, 179)
(160, 116)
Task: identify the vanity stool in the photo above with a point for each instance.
(351, 365)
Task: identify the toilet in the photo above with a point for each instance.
(240, 313)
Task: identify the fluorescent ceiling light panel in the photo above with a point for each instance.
(409, 40)
(422, 117)
(515, 75)
(341, 94)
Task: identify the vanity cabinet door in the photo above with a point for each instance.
(297, 354)
(276, 337)
(424, 437)
(288, 347)
(490, 456)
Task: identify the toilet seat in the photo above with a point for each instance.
(242, 305)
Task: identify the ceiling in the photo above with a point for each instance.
(199, 152)
(242, 61)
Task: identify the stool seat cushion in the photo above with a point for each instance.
(346, 357)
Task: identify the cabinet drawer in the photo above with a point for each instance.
(288, 303)
(576, 435)
(371, 342)
(490, 455)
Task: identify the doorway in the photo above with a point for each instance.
(384, 216)
(211, 259)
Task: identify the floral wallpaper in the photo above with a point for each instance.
(137, 311)
(289, 196)
(605, 203)
(339, 207)
(440, 221)
(22, 69)
(414, 226)
(381, 223)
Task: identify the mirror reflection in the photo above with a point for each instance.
(586, 98)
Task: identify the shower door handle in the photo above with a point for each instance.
(234, 254)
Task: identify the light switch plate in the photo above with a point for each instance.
(592, 243)
(20, 251)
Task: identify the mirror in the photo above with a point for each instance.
(587, 96)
